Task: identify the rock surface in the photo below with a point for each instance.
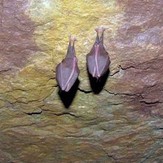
(123, 123)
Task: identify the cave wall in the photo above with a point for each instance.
(123, 123)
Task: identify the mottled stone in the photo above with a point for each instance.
(123, 123)
(16, 35)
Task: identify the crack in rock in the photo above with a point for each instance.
(125, 94)
(34, 113)
(62, 113)
(150, 102)
(121, 68)
(5, 70)
(85, 91)
(66, 113)
(57, 114)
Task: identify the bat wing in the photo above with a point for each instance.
(91, 64)
(98, 65)
(72, 80)
(66, 73)
(103, 64)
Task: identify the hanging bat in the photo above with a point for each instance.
(67, 71)
(98, 60)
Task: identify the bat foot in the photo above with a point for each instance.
(100, 30)
(72, 40)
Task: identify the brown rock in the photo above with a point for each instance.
(16, 35)
(123, 123)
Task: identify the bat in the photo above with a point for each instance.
(67, 71)
(98, 60)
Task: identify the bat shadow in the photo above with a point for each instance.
(97, 85)
(68, 97)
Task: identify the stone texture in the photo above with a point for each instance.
(123, 123)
